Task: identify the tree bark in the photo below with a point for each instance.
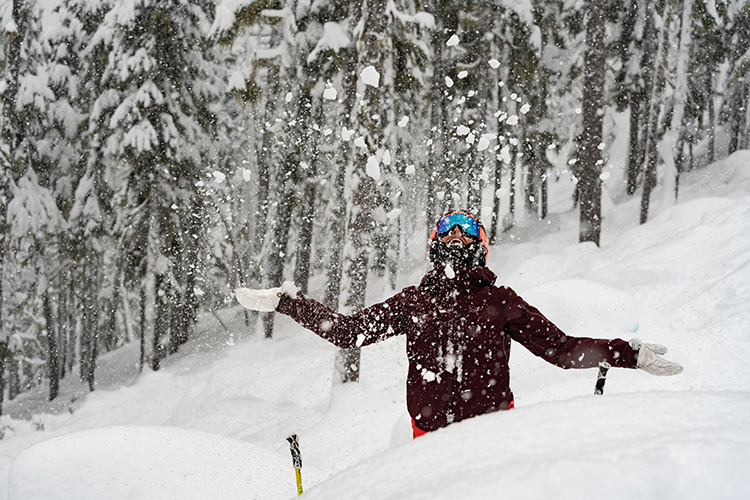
(337, 219)
(279, 241)
(634, 156)
(337, 231)
(510, 220)
(163, 297)
(53, 352)
(655, 92)
(370, 115)
(11, 133)
(593, 111)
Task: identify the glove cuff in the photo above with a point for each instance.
(635, 343)
(290, 289)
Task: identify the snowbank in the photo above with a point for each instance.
(653, 445)
(212, 423)
(126, 463)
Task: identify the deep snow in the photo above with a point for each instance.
(213, 422)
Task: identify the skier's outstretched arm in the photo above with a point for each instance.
(540, 336)
(365, 327)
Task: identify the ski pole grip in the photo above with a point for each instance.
(294, 449)
(601, 377)
(296, 460)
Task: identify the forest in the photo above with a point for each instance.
(158, 154)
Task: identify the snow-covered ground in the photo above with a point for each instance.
(213, 422)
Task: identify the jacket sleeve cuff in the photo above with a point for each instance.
(286, 302)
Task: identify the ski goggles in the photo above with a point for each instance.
(468, 224)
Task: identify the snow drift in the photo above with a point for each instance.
(213, 422)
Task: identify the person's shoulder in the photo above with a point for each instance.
(405, 293)
(504, 291)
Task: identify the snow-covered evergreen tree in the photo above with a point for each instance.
(154, 120)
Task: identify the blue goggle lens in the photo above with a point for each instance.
(468, 224)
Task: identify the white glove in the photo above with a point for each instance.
(258, 300)
(650, 360)
(264, 300)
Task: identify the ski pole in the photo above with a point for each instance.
(601, 377)
(296, 460)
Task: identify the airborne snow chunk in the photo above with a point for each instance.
(346, 134)
(373, 168)
(484, 142)
(370, 76)
(330, 93)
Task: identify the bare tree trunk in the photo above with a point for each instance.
(86, 311)
(147, 275)
(109, 339)
(711, 121)
(89, 320)
(143, 327)
(364, 194)
(187, 266)
(72, 332)
(4, 358)
(650, 177)
(53, 353)
(161, 320)
(63, 325)
(4, 351)
(634, 156)
(304, 242)
(279, 242)
(510, 220)
(192, 268)
(544, 202)
(337, 220)
(337, 234)
(437, 121)
(738, 116)
(593, 106)
(634, 96)
(674, 140)
(264, 158)
(642, 101)
(531, 188)
(360, 239)
(10, 133)
(496, 201)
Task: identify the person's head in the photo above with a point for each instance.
(459, 238)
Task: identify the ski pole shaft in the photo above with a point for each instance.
(296, 460)
(298, 476)
(601, 377)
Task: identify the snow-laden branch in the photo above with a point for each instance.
(423, 19)
(334, 38)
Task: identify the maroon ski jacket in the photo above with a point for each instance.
(458, 331)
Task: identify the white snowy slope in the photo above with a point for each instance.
(212, 423)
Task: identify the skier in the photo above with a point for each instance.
(458, 326)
